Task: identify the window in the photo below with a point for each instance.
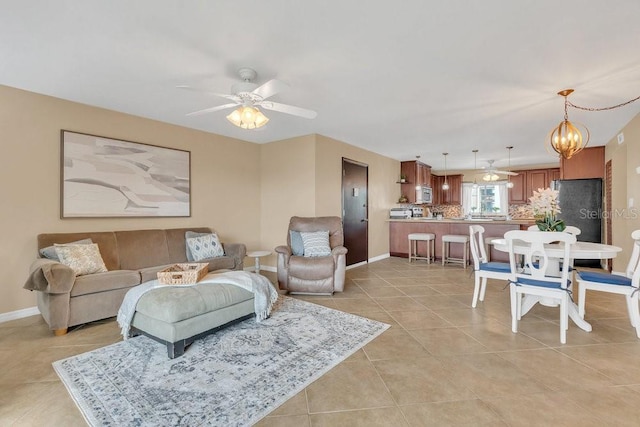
(485, 198)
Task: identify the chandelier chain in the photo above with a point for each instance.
(596, 109)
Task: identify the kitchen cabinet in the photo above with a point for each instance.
(528, 181)
(417, 174)
(452, 196)
(588, 163)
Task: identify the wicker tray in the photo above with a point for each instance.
(183, 274)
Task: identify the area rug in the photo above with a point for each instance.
(233, 377)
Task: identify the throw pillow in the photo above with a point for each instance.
(50, 251)
(203, 247)
(189, 235)
(83, 259)
(297, 247)
(316, 243)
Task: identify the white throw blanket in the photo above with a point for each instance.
(265, 294)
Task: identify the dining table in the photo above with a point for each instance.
(555, 251)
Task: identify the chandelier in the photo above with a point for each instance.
(247, 117)
(566, 139)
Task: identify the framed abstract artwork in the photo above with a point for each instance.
(105, 177)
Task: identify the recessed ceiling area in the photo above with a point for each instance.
(400, 79)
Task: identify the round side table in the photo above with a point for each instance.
(257, 255)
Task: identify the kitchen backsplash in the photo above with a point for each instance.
(521, 211)
(448, 211)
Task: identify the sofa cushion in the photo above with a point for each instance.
(101, 282)
(172, 304)
(83, 259)
(50, 251)
(177, 243)
(142, 248)
(106, 241)
(205, 246)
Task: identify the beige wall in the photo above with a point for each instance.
(383, 190)
(225, 177)
(625, 158)
(303, 176)
(288, 180)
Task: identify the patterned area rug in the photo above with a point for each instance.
(231, 378)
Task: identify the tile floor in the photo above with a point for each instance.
(440, 364)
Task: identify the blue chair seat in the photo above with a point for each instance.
(536, 264)
(606, 278)
(539, 283)
(499, 267)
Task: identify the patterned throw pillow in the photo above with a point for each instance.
(189, 235)
(203, 247)
(297, 246)
(83, 259)
(50, 251)
(316, 243)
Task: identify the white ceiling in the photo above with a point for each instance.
(404, 78)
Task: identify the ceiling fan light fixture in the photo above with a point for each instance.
(490, 176)
(248, 118)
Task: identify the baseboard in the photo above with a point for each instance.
(18, 314)
(379, 257)
(370, 260)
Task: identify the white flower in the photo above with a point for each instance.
(545, 201)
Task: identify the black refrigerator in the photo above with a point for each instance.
(581, 206)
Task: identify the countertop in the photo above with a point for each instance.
(466, 221)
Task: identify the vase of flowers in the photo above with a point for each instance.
(546, 208)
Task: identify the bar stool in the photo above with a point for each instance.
(430, 238)
(447, 239)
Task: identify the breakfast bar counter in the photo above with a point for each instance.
(399, 230)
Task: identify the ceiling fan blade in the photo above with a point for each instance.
(201, 90)
(270, 88)
(289, 109)
(212, 109)
(504, 173)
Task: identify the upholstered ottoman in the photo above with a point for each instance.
(176, 316)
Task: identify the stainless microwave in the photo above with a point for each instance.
(424, 195)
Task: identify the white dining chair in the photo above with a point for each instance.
(533, 280)
(627, 284)
(483, 269)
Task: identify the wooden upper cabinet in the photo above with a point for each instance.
(528, 181)
(452, 196)
(417, 174)
(537, 178)
(518, 194)
(589, 163)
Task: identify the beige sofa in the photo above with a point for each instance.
(132, 257)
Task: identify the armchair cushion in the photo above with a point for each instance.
(297, 245)
(316, 243)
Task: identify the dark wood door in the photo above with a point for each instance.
(518, 194)
(355, 216)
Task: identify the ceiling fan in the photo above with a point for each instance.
(248, 95)
(492, 174)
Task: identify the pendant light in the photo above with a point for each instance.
(445, 186)
(475, 168)
(509, 183)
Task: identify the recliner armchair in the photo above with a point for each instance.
(313, 275)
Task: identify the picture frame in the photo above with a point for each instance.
(102, 177)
